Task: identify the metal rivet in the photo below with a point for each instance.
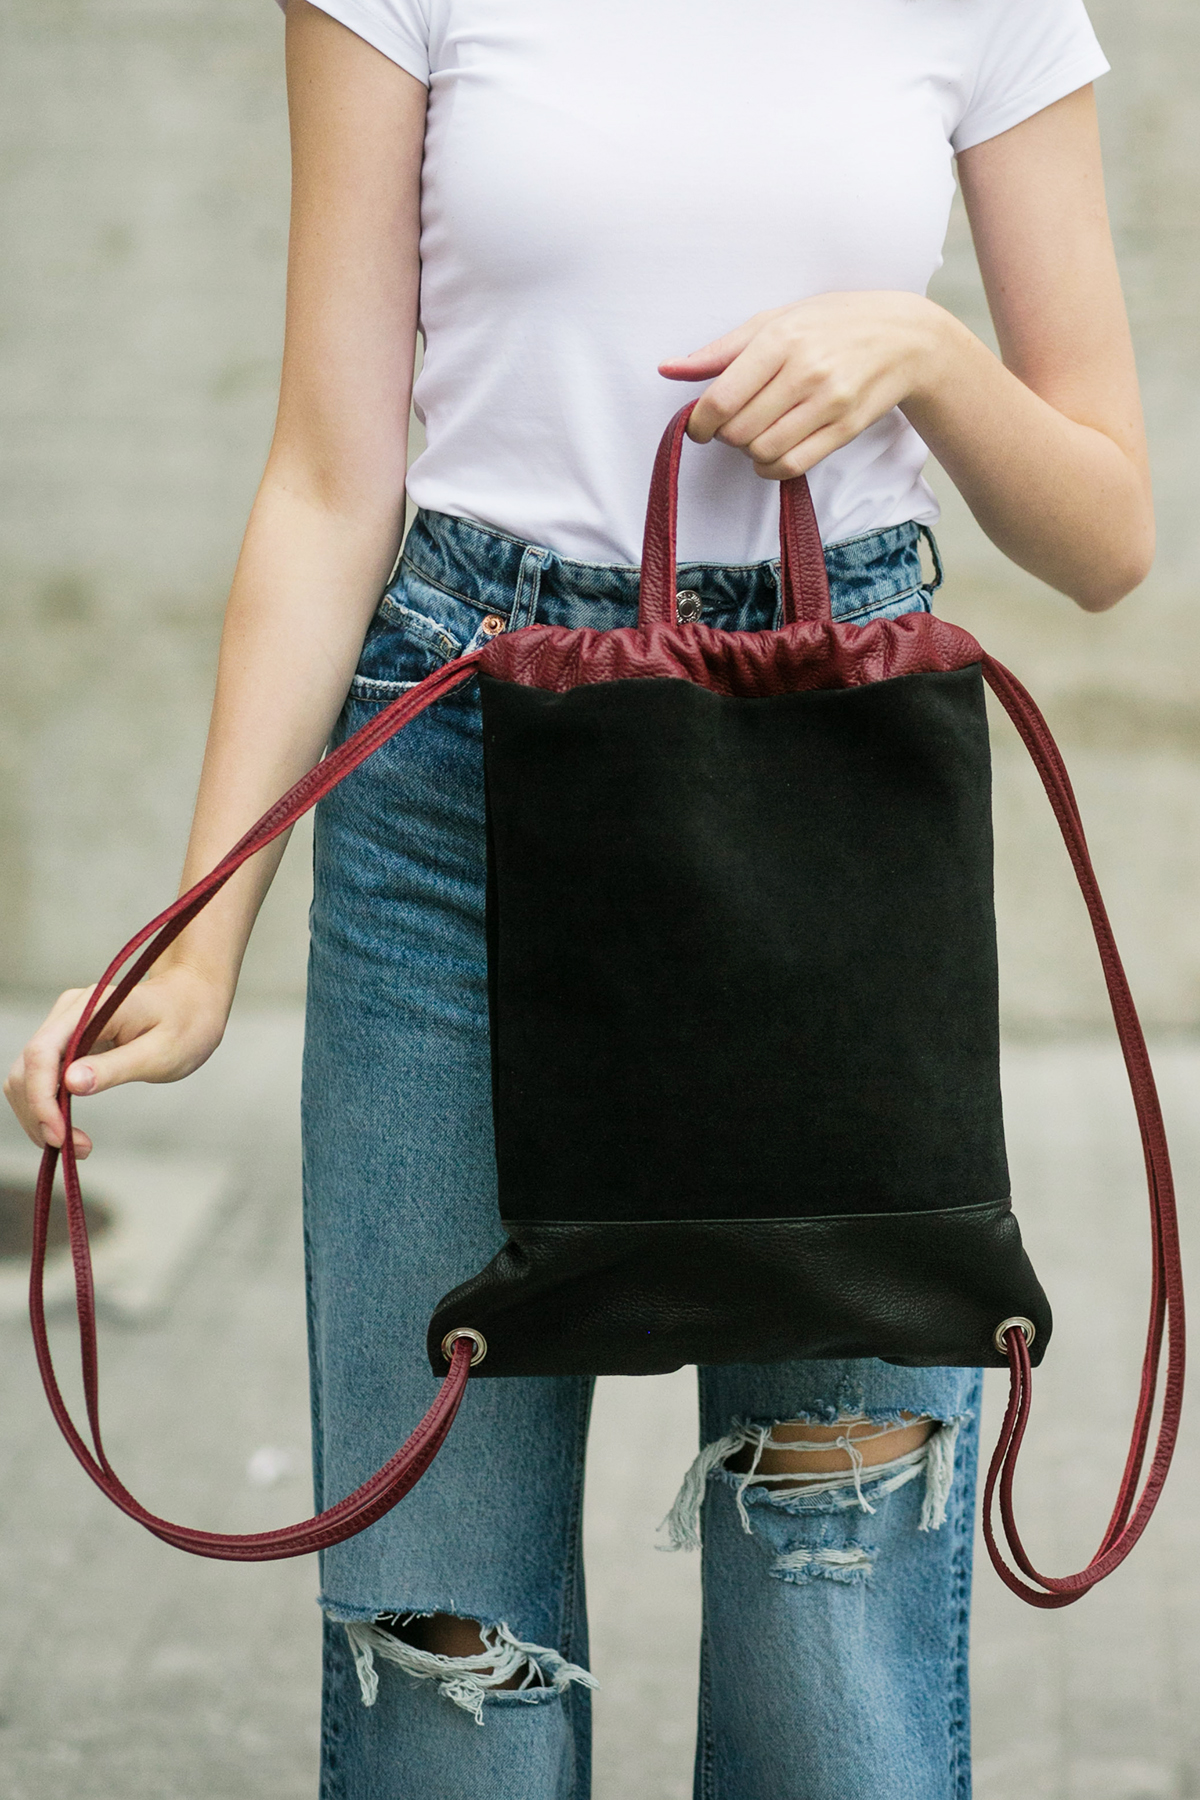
(1027, 1326)
(493, 625)
(688, 606)
(465, 1331)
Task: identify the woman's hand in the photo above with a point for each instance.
(1045, 442)
(800, 381)
(167, 1027)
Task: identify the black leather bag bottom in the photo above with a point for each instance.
(641, 1299)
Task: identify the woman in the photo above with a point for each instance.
(569, 194)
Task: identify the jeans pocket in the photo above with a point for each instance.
(417, 628)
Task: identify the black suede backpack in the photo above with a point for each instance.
(744, 1023)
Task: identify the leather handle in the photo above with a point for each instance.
(803, 576)
(402, 1471)
(1131, 1514)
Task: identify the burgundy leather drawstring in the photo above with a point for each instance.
(402, 1471)
(1130, 1515)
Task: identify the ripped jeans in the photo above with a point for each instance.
(834, 1659)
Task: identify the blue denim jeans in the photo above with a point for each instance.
(834, 1662)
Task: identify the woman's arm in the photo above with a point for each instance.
(1047, 446)
(321, 538)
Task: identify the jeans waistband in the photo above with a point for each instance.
(526, 584)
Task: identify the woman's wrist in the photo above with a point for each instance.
(211, 970)
(942, 348)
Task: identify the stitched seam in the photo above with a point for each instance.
(494, 531)
(706, 1749)
(528, 590)
(366, 687)
(962, 1500)
(408, 560)
(334, 1700)
(861, 537)
(922, 1212)
(1065, 73)
(479, 606)
(574, 1515)
(873, 606)
(576, 562)
(431, 633)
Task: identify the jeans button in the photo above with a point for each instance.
(493, 625)
(688, 607)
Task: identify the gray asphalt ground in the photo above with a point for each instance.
(129, 1672)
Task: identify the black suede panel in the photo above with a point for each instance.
(638, 1299)
(742, 952)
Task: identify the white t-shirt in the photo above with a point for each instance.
(611, 182)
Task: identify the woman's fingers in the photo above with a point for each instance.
(742, 362)
(32, 1085)
(807, 453)
(753, 369)
(792, 384)
(778, 426)
(783, 411)
(710, 359)
(163, 1030)
(772, 373)
(152, 1053)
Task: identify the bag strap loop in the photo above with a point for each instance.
(1130, 1515)
(802, 574)
(402, 1471)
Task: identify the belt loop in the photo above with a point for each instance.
(529, 584)
(777, 575)
(931, 587)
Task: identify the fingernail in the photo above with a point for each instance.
(81, 1079)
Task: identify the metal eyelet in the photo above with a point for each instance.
(1027, 1326)
(492, 626)
(465, 1331)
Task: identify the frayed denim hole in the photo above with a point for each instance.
(469, 1682)
(810, 1542)
(828, 1502)
(860, 1487)
(798, 1505)
(825, 1562)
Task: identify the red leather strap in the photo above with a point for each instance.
(803, 576)
(402, 1471)
(1131, 1514)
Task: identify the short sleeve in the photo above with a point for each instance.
(399, 28)
(1037, 52)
